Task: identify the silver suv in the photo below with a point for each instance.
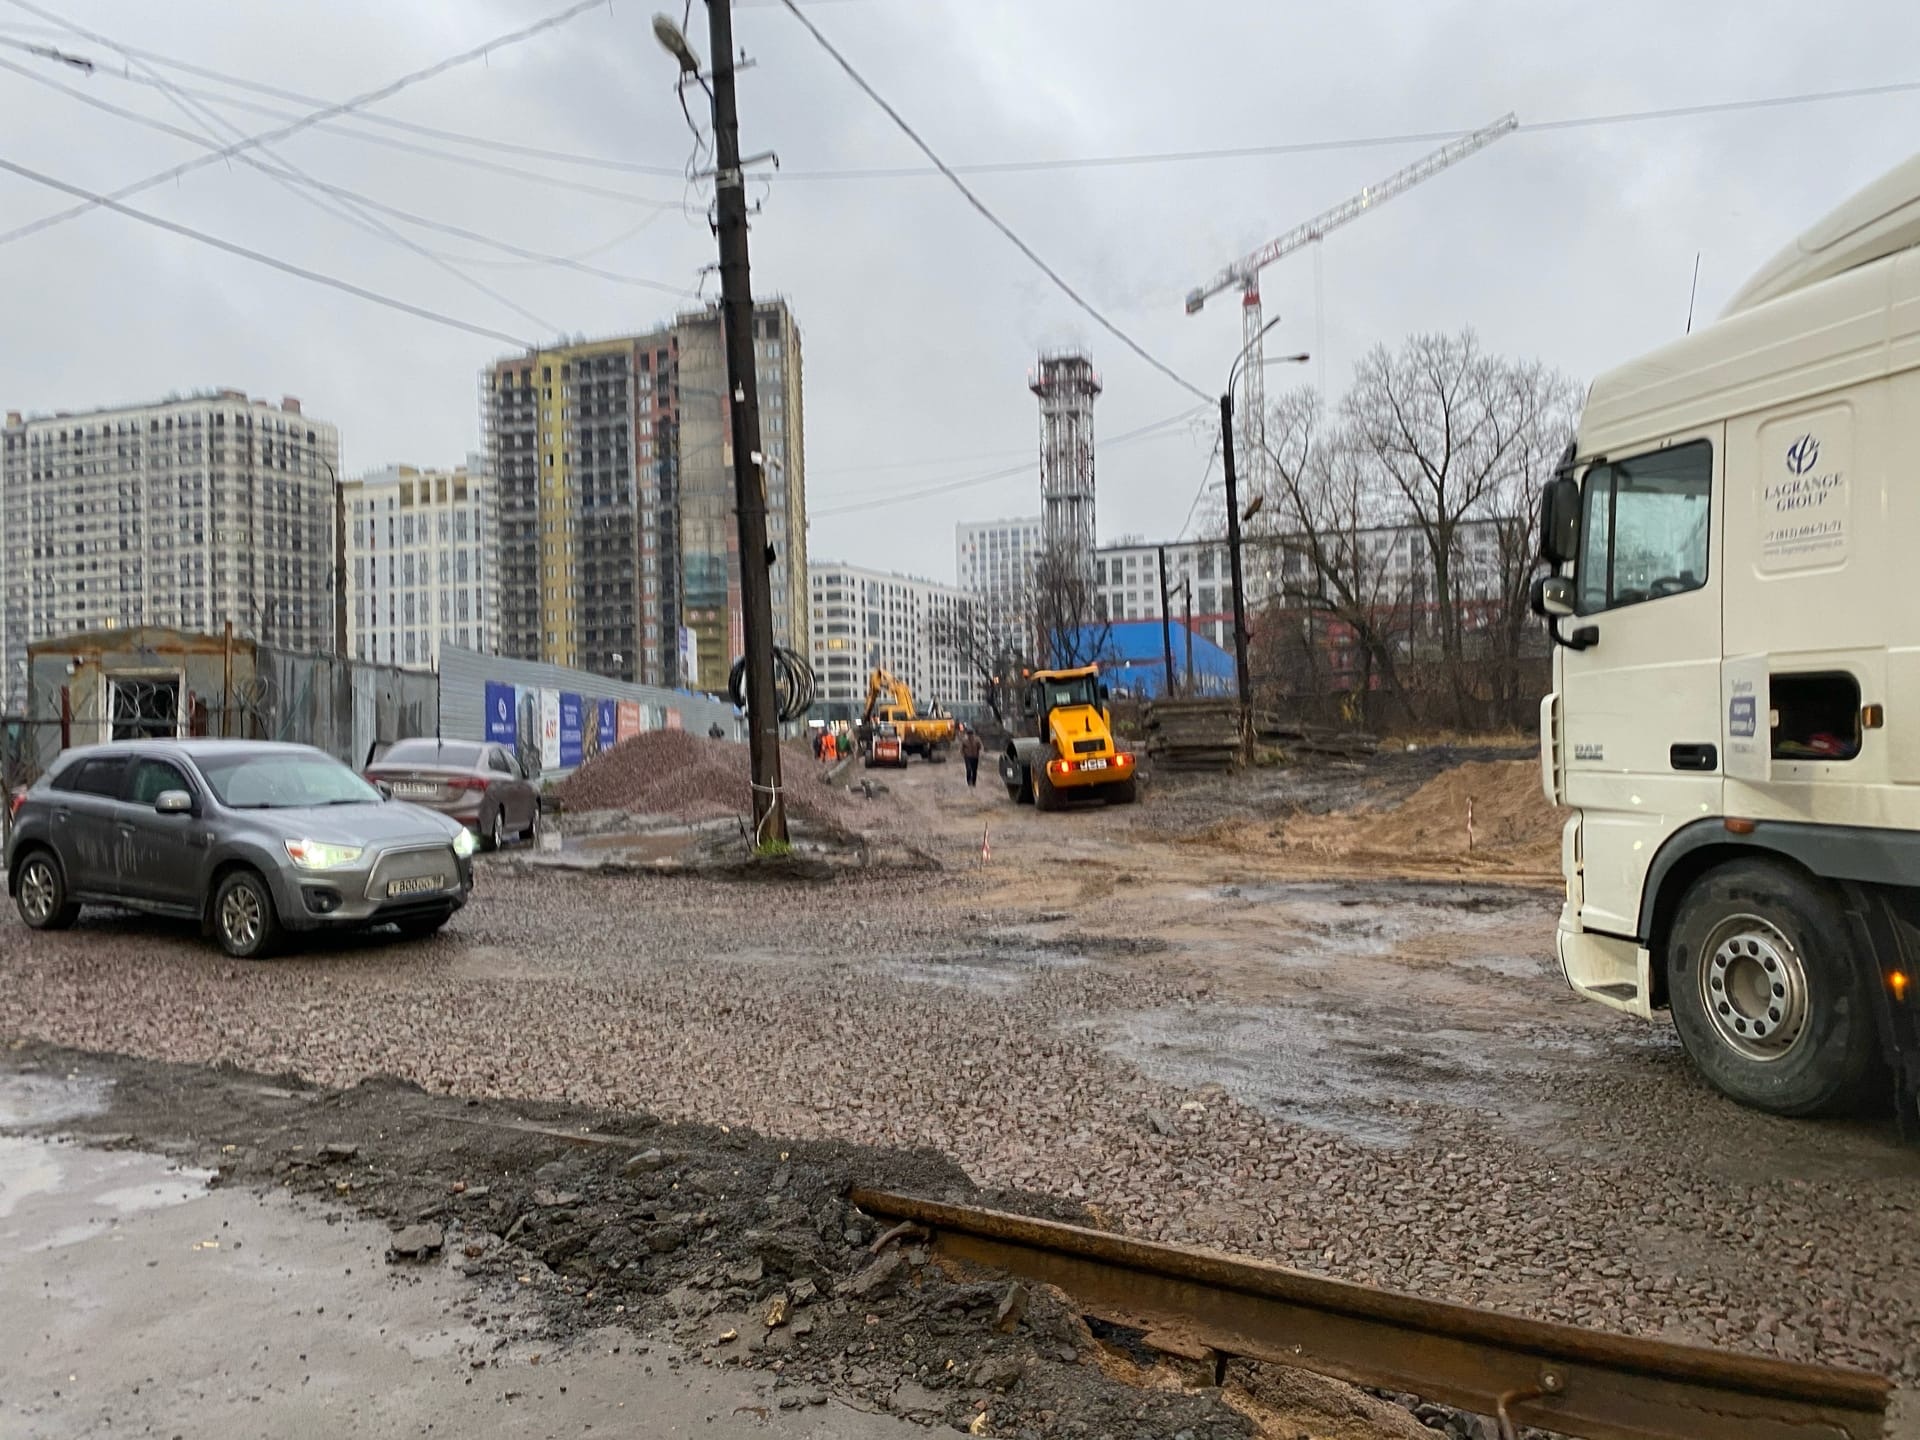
(251, 839)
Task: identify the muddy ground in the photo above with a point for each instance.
(1360, 1066)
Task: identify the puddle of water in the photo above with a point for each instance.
(49, 1099)
(1334, 1070)
(54, 1193)
(662, 846)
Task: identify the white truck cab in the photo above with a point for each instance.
(1735, 716)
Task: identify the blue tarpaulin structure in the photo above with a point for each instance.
(1133, 660)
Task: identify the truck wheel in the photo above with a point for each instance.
(1768, 1002)
(1046, 795)
(1123, 792)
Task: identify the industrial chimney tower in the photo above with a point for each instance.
(1067, 385)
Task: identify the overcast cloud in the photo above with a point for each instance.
(920, 323)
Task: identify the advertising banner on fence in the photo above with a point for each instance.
(502, 714)
(570, 718)
(549, 729)
(609, 726)
(626, 722)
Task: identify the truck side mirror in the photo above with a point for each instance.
(1560, 521)
(1553, 596)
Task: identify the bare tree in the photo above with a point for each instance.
(1071, 626)
(982, 648)
(1441, 422)
(1329, 514)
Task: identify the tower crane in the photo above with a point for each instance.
(1245, 273)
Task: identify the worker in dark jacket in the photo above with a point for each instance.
(970, 752)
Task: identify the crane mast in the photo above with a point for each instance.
(1245, 273)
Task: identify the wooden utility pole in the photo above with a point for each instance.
(749, 469)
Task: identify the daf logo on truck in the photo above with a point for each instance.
(1731, 603)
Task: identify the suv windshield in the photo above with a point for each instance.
(283, 782)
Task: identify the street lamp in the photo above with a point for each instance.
(1233, 521)
(675, 44)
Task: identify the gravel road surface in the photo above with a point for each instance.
(1372, 1076)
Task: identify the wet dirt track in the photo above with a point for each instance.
(1380, 1077)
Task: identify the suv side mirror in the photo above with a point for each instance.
(1560, 521)
(173, 802)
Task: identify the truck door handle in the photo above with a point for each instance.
(1694, 757)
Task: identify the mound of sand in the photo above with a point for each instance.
(1512, 821)
(690, 777)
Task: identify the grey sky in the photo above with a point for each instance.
(920, 322)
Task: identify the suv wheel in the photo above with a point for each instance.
(243, 920)
(40, 893)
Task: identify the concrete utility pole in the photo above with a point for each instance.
(749, 477)
(1166, 626)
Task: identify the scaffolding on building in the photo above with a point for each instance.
(1067, 386)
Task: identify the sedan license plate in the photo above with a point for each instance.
(406, 787)
(413, 885)
(1093, 764)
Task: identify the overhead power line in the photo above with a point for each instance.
(290, 176)
(107, 202)
(392, 87)
(898, 497)
(1352, 142)
(991, 218)
(341, 192)
(907, 172)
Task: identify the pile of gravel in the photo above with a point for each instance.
(690, 777)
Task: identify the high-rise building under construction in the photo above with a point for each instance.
(613, 460)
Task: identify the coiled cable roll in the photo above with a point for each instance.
(792, 683)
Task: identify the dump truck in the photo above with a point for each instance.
(1734, 723)
(1070, 752)
(890, 702)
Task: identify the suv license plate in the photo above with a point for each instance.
(415, 885)
(1093, 764)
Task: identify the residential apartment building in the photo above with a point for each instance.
(613, 468)
(709, 534)
(994, 560)
(1390, 562)
(421, 547)
(187, 513)
(863, 618)
(579, 448)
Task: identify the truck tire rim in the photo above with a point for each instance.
(36, 891)
(1753, 987)
(240, 917)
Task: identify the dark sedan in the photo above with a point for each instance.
(251, 839)
(480, 785)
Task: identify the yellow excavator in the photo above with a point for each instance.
(890, 704)
(1071, 752)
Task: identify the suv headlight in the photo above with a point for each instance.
(314, 855)
(464, 844)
